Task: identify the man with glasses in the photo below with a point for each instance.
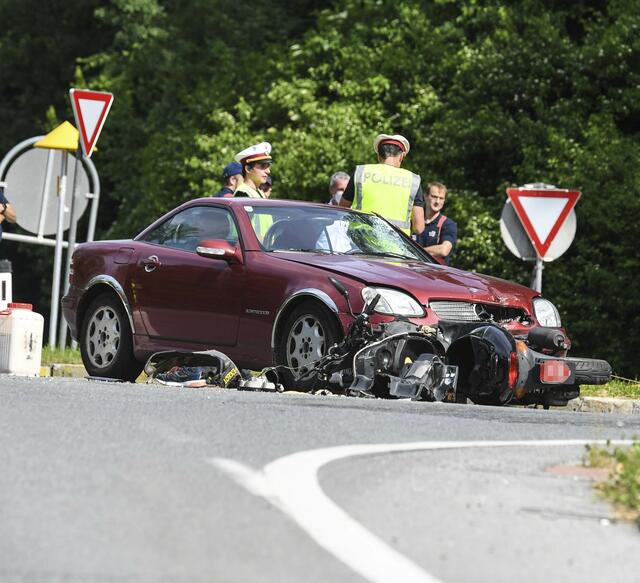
(440, 232)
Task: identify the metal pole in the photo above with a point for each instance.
(31, 239)
(537, 275)
(13, 153)
(57, 260)
(71, 240)
(45, 192)
(95, 197)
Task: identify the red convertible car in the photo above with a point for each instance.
(270, 282)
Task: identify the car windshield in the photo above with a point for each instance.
(336, 231)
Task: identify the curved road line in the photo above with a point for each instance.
(291, 483)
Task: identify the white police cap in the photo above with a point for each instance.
(257, 153)
(396, 140)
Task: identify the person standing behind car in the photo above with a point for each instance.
(386, 188)
(337, 185)
(440, 232)
(266, 187)
(232, 178)
(7, 212)
(256, 167)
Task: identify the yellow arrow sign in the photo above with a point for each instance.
(64, 137)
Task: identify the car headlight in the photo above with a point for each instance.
(392, 302)
(546, 313)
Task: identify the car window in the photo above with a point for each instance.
(331, 230)
(186, 229)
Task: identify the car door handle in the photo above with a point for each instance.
(150, 263)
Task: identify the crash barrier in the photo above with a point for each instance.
(21, 332)
(5, 283)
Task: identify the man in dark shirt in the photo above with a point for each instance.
(7, 213)
(440, 232)
(232, 178)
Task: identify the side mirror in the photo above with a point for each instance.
(220, 249)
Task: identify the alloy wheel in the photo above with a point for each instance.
(103, 337)
(306, 342)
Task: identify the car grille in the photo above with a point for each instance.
(468, 312)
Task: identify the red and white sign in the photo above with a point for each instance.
(90, 109)
(542, 213)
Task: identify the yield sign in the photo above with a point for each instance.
(90, 109)
(542, 213)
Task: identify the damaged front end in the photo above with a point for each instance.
(405, 363)
(455, 361)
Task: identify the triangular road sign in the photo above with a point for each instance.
(90, 109)
(542, 213)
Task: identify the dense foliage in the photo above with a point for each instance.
(490, 93)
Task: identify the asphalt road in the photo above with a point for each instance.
(120, 482)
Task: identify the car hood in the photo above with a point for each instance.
(426, 281)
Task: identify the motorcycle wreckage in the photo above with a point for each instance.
(452, 362)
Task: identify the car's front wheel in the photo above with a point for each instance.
(307, 334)
(106, 342)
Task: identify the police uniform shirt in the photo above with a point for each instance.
(350, 192)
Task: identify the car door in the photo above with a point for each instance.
(181, 296)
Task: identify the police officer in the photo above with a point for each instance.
(232, 178)
(256, 167)
(386, 188)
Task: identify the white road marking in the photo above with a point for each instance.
(254, 481)
(291, 484)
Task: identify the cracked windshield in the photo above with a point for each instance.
(332, 231)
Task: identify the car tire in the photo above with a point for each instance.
(106, 341)
(308, 332)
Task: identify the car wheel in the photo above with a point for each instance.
(106, 342)
(307, 334)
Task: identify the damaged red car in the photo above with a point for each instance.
(323, 295)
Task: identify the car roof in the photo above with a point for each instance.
(246, 201)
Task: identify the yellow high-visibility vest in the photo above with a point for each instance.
(245, 190)
(388, 191)
(260, 222)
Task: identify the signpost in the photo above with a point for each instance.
(28, 170)
(538, 223)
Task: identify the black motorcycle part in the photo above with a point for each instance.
(427, 378)
(374, 364)
(591, 371)
(547, 339)
(483, 358)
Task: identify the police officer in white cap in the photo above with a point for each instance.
(386, 188)
(256, 167)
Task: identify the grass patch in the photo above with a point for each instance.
(622, 487)
(52, 355)
(615, 388)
